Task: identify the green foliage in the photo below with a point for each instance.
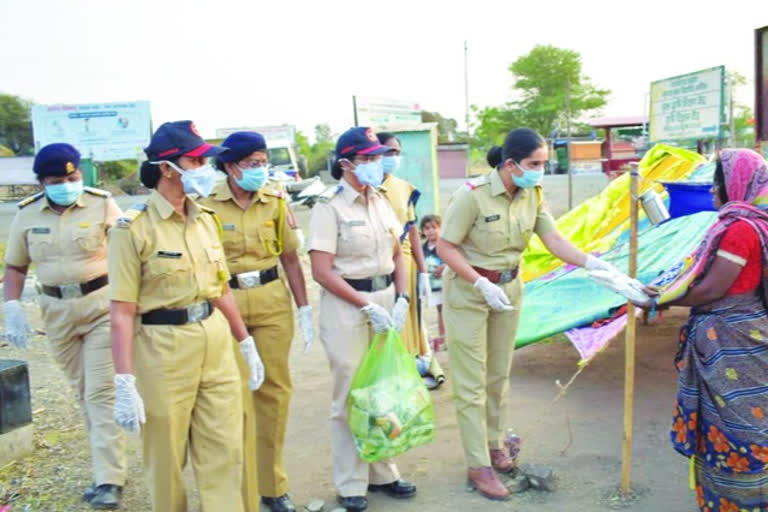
(16, 124)
(316, 154)
(111, 172)
(743, 117)
(539, 96)
(447, 128)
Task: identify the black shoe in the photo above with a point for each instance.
(399, 489)
(106, 497)
(280, 504)
(353, 503)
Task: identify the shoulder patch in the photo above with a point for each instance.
(130, 215)
(97, 192)
(476, 182)
(29, 200)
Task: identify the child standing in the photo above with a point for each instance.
(430, 229)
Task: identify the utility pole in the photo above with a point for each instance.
(568, 139)
(354, 108)
(466, 87)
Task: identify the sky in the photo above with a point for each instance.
(231, 63)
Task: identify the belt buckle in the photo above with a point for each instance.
(378, 283)
(196, 312)
(506, 276)
(70, 291)
(249, 279)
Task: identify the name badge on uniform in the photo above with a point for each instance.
(41, 231)
(492, 218)
(168, 254)
(228, 227)
(354, 223)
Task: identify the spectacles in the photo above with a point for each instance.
(253, 164)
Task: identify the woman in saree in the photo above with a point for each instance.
(721, 412)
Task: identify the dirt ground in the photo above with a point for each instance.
(579, 437)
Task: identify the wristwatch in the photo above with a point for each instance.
(404, 296)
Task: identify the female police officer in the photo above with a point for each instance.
(256, 234)
(167, 267)
(63, 231)
(355, 258)
(486, 228)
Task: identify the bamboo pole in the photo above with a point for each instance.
(629, 359)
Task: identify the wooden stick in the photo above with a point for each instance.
(629, 360)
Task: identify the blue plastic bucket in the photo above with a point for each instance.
(688, 198)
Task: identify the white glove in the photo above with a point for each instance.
(255, 366)
(16, 325)
(400, 313)
(593, 263)
(129, 407)
(305, 323)
(425, 287)
(494, 295)
(379, 317)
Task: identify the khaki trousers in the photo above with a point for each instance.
(79, 341)
(188, 378)
(346, 335)
(268, 313)
(481, 343)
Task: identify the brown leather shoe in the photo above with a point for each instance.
(485, 481)
(501, 461)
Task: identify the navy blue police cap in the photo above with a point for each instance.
(58, 159)
(179, 138)
(359, 141)
(242, 144)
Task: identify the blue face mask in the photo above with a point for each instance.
(64, 194)
(370, 173)
(253, 178)
(529, 179)
(198, 181)
(390, 164)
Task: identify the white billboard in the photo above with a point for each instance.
(100, 131)
(688, 106)
(381, 111)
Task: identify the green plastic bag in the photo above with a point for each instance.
(390, 410)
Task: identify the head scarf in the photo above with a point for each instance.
(746, 183)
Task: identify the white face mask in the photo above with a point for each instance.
(198, 181)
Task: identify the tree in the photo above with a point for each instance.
(743, 117)
(447, 128)
(316, 154)
(539, 95)
(16, 124)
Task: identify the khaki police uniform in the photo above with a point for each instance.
(491, 230)
(70, 248)
(186, 374)
(254, 239)
(361, 234)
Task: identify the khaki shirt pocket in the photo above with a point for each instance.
(233, 240)
(41, 246)
(355, 238)
(169, 274)
(491, 236)
(91, 238)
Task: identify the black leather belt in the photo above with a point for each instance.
(371, 284)
(69, 291)
(254, 278)
(191, 314)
